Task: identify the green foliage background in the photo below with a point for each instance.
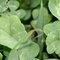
(29, 29)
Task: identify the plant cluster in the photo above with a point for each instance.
(29, 29)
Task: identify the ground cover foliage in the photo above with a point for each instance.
(29, 29)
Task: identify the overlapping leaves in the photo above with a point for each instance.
(3, 5)
(47, 17)
(14, 36)
(28, 52)
(10, 27)
(52, 31)
(21, 13)
(13, 6)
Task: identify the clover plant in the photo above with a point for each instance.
(29, 29)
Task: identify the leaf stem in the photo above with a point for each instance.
(40, 26)
(40, 22)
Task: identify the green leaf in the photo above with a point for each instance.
(3, 5)
(35, 13)
(6, 53)
(34, 3)
(28, 36)
(54, 7)
(40, 24)
(21, 13)
(52, 42)
(27, 16)
(1, 56)
(24, 39)
(34, 24)
(14, 36)
(29, 51)
(14, 55)
(46, 15)
(6, 39)
(26, 52)
(51, 27)
(12, 30)
(53, 37)
(13, 5)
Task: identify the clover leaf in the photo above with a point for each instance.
(29, 51)
(35, 14)
(27, 16)
(34, 24)
(3, 5)
(13, 5)
(53, 42)
(52, 31)
(21, 13)
(34, 3)
(56, 10)
(12, 30)
(14, 36)
(26, 53)
(51, 27)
